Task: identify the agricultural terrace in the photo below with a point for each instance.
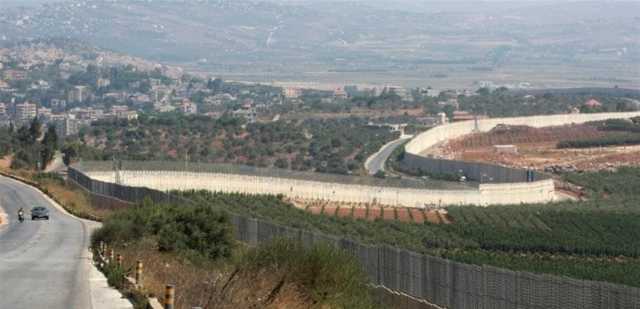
(372, 212)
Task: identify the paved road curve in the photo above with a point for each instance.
(376, 162)
(43, 264)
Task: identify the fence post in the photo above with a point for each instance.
(102, 254)
(169, 296)
(139, 273)
(111, 255)
(252, 232)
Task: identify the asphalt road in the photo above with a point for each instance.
(43, 264)
(376, 162)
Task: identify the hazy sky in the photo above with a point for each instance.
(394, 2)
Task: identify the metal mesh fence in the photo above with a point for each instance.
(439, 281)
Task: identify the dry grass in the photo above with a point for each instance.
(73, 199)
(212, 285)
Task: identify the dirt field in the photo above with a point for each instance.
(373, 212)
(536, 148)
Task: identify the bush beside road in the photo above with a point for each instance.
(191, 246)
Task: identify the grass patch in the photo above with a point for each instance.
(331, 277)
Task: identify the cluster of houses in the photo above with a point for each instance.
(66, 121)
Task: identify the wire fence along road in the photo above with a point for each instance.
(439, 281)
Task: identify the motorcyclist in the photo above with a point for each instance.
(21, 214)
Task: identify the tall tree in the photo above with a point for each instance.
(35, 129)
(49, 146)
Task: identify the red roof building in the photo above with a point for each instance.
(592, 103)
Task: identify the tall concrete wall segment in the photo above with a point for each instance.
(486, 194)
(481, 172)
(430, 138)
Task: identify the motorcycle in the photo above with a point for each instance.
(20, 217)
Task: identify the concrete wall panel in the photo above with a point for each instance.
(486, 194)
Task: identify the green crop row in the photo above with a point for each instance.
(607, 140)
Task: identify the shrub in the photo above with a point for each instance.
(198, 229)
(333, 278)
(115, 275)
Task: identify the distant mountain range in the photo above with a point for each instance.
(357, 36)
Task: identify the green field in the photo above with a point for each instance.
(598, 239)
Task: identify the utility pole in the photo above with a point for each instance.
(116, 169)
(476, 125)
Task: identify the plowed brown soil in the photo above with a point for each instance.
(344, 212)
(417, 215)
(359, 213)
(330, 211)
(403, 215)
(389, 214)
(372, 212)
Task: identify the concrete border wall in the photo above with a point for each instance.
(486, 194)
(442, 133)
(504, 179)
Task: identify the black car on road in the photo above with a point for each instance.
(39, 212)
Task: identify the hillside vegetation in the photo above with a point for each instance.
(504, 103)
(333, 146)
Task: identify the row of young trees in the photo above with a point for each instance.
(608, 140)
(618, 132)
